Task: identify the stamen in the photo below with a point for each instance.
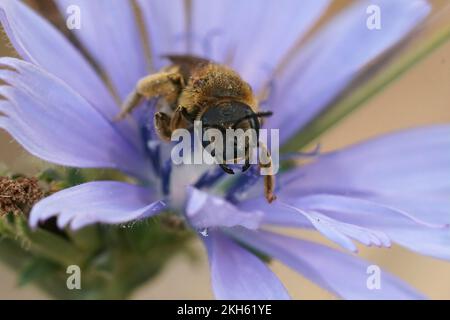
(209, 178)
(166, 172)
(242, 184)
(153, 146)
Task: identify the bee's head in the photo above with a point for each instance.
(232, 115)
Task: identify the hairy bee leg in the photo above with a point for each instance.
(269, 187)
(166, 84)
(179, 119)
(162, 125)
(269, 179)
(130, 103)
(165, 125)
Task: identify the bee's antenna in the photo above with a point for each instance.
(263, 114)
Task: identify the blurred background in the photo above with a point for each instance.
(420, 97)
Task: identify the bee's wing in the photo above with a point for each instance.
(187, 63)
(186, 60)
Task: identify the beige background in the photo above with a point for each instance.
(421, 97)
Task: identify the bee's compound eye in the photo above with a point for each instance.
(227, 113)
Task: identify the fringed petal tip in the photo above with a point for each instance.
(108, 202)
(398, 184)
(37, 41)
(292, 213)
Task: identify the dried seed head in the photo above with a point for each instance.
(17, 196)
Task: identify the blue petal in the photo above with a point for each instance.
(39, 42)
(332, 59)
(110, 32)
(253, 36)
(166, 24)
(344, 275)
(415, 161)
(204, 211)
(96, 202)
(398, 184)
(236, 274)
(432, 207)
(287, 213)
(56, 124)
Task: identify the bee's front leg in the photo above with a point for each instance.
(165, 84)
(166, 125)
(162, 124)
(269, 186)
(269, 177)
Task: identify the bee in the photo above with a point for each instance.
(197, 89)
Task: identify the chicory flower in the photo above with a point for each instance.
(390, 189)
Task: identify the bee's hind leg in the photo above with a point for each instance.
(165, 84)
(130, 103)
